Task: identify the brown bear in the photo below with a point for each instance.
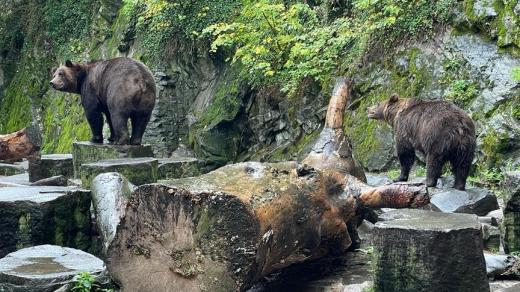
(120, 88)
(439, 129)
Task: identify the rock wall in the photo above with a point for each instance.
(204, 104)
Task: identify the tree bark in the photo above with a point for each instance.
(21, 144)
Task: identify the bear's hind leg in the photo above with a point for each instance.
(119, 123)
(139, 122)
(95, 121)
(461, 169)
(406, 160)
(111, 139)
(433, 169)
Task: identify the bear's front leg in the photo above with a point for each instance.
(406, 160)
(95, 120)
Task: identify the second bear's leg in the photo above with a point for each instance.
(139, 122)
(119, 123)
(406, 160)
(95, 120)
(433, 169)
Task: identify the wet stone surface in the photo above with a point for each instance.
(46, 268)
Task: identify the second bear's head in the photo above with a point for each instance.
(386, 110)
(68, 77)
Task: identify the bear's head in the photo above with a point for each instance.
(386, 110)
(67, 77)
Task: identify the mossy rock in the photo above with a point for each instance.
(51, 165)
(87, 152)
(171, 168)
(44, 215)
(138, 171)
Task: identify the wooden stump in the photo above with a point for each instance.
(51, 165)
(87, 152)
(22, 144)
(138, 171)
(416, 250)
(44, 215)
(224, 230)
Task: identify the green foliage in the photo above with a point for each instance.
(164, 23)
(85, 282)
(515, 74)
(462, 92)
(420, 170)
(393, 173)
(285, 44)
(488, 177)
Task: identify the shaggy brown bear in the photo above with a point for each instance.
(120, 88)
(438, 129)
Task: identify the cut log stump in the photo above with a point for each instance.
(87, 152)
(417, 250)
(44, 215)
(225, 230)
(51, 165)
(21, 144)
(48, 268)
(138, 171)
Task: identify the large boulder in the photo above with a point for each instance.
(51, 165)
(500, 266)
(472, 201)
(48, 268)
(138, 171)
(179, 167)
(44, 215)
(86, 152)
(110, 194)
(416, 250)
(511, 220)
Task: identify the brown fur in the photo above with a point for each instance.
(119, 88)
(439, 129)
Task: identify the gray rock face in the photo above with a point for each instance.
(110, 194)
(417, 250)
(376, 180)
(44, 215)
(511, 221)
(502, 266)
(46, 268)
(171, 168)
(138, 171)
(491, 237)
(472, 201)
(51, 165)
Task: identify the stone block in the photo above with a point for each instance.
(51, 165)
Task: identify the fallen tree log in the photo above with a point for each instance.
(224, 230)
(21, 144)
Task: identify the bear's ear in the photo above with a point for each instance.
(69, 63)
(394, 98)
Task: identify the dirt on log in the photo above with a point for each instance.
(21, 144)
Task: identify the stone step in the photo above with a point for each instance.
(44, 215)
(87, 152)
(180, 167)
(7, 169)
(138, 171)
(51, 165)
(472, 201)
(48, 268)
(417, 250)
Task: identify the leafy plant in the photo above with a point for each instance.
(420, 170)
(515, 73)
(393, 173)
(282, 44)
(462, 91)
(85, 282)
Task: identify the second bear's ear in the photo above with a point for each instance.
(69, 63)
(394, 98)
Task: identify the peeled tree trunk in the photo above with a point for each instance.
(225, 230)
(21, 144)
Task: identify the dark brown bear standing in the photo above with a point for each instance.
(438, 129)
(120, 88)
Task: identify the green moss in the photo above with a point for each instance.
(289, 153)
(494, 144)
